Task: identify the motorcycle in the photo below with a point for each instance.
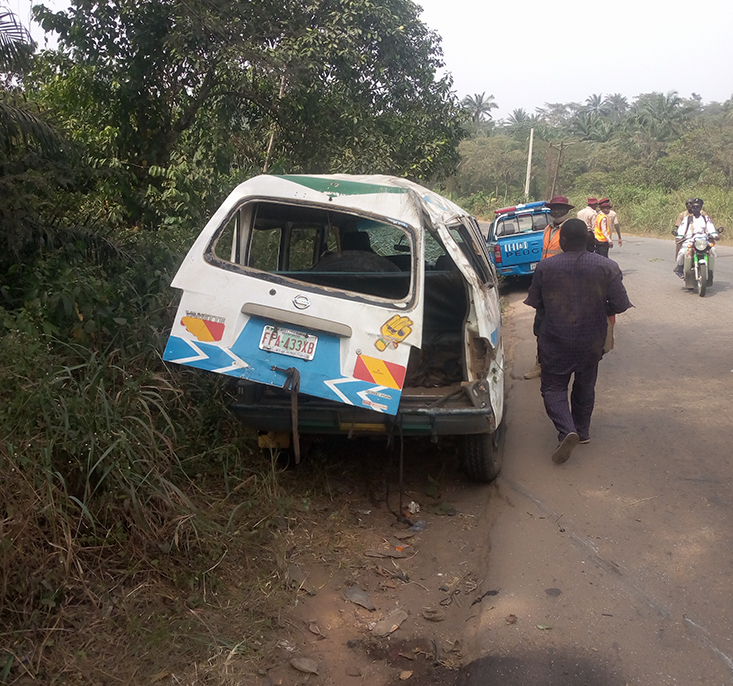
(699, 262)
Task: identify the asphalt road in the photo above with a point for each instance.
(617, 567)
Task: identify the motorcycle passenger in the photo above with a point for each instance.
(694, 225)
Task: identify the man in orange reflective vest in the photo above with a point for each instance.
(559, 212)
(602, 228)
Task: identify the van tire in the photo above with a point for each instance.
(483, 454)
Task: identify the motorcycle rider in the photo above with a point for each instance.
(695, 224)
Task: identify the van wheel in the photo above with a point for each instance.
(483, 454)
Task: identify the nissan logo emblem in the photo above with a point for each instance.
(301, 302)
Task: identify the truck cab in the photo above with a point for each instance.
(515, 238)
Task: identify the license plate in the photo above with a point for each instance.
(532, 266)
(288, 342)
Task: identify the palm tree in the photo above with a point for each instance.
(595, 104)
(479, 106)
(661, 116)
(18, 123)
(617, 105)
(518, 117)
(16, 44)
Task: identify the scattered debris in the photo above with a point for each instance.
(315, 629)
(443, 509)
(488, 594)
(419, 525)
(404, 676)
(511, 619)
(398, 554)
(354, 671)
(413, 507)
(360, 597)
(390, 623)
(449, 600)
(544, 627)
(304, 664)
(297, 578)
(285, 645)
(433, 614)
(402, 535)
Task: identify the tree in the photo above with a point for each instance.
(345, 86)
(16, 44)
(518, 117)
(494, 164)
(479, 106)
(660, 116)
(596, 105)
(616, 105)
(19, 124)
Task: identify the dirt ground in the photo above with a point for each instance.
(609, 570)
(398, 607)
(408, 585)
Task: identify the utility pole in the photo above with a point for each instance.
(557, 171)
(529, 164)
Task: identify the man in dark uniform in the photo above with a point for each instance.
(574, 293)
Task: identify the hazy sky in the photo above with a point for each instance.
(531, 52)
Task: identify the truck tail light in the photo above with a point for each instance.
(497, 254)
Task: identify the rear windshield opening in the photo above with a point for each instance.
(312, 245)
(521, 224)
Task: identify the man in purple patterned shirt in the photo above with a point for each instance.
(574, 293)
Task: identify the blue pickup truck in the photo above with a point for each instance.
(515, 238)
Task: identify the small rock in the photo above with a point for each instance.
(390, 623)
(402, 535)
(433, 614)
(315, 629)
(353, 671)
(360, 597)
(404, 676)
(304, 664)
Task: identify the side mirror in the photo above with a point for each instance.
(720, 230)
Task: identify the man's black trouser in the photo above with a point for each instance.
(573, 415)
(602, 248)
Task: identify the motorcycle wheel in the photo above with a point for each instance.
(483, 454)
(710, 278)
(702, 279)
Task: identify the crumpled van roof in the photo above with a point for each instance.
(396, 197)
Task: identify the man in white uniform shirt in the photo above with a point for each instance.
(696, 224)
(588, 215)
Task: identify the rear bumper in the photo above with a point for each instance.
(516, 270)
(416, 416)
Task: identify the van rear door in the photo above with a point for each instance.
(304, 282)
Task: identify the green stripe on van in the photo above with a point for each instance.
(340, 187)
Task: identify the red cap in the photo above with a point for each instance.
(605, 201)
(560, 200)
(592, 201)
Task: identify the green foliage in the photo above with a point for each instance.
(647, 156)
(114, 151)
(176, 104)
